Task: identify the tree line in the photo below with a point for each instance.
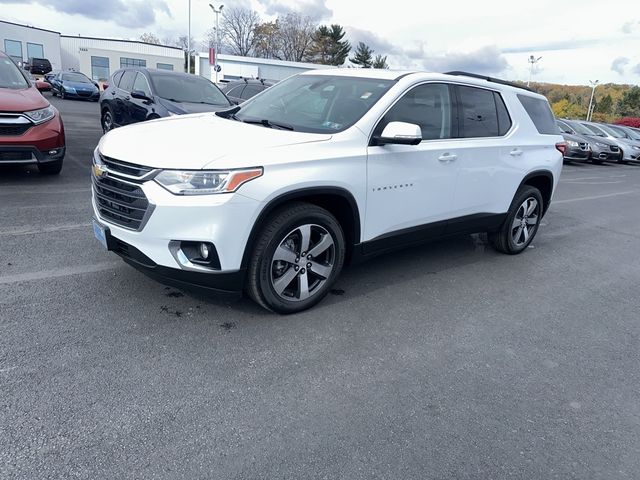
(292, 37)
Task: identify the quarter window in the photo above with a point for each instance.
(132, 62)
(540, 113)
(478, 113)
(127, 80)
(116, 78)
(428, 106)
(99, 68)
(13, 48)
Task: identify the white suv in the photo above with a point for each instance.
(274, 196)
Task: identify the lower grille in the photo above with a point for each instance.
(18, 155)
(614, 149)
(119, 202)
(14, 130)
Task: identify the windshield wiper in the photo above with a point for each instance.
(231, 113)
(173, 100)
(269, 124)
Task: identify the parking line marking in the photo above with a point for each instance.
(35, 231)
(595, 197)
(59, 272)
(43, 192)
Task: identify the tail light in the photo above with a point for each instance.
(562, 148)
(105, 86)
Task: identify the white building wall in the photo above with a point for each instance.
(77, 53)
(233, 67)
(49, 40)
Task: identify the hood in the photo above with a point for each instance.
(80, 85)
(188, 107)
(604, 140)
(22, 100)
(576, 138)
(197, 141)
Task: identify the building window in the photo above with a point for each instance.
(13, 48)
(99, 68)
(164, 66)
(35, 50)
(132, 62)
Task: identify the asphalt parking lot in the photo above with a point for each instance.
(444, 361)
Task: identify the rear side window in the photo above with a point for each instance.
(116, 78)
(250, 91)
(478, 112)
(127, 80)
(540, 113)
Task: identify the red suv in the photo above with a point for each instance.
(31, 129)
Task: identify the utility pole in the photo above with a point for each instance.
(593, 91)
(189, 42)
(532, 60)
(217, 12)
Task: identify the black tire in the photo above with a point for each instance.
(53, 92)
(103, 118)
(504, 240)
(596, 162)
(50, 168)
(62, 96)
(263, 266)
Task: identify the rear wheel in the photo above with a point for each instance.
(296, 259)
(522, 222)
(50, 168)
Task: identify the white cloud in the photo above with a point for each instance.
(619, 64)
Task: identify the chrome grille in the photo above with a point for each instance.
(584, 146)
(118, 193)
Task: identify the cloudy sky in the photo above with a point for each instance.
(578, 40)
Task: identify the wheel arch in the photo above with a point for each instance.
(543, 181)
(338, 201)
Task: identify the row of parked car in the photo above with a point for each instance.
(598, 142)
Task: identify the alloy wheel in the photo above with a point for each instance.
(525, 221)
(107, 122)
(303, 262)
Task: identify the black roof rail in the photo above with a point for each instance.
(489, 79)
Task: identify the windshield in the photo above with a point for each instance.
(633, 134)
(10, 76)
(75, 77)
(595, 130)
(581, 129)
(611, 131)
(315, 103)
(188, 88)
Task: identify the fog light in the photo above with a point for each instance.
(204, 251)
(53, 152)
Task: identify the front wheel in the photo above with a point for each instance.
(296, 259)
(522, 222)
(62, 96)
(107, 121)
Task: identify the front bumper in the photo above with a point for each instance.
(38, 144)
(576, 154)
(82, 95)
(224, 220)
(229, 284)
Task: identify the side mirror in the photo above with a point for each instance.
(140, 95)
(400, 133)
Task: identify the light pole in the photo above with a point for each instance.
(532, 60)
(593, 91)
(189, 42)
(217, 12)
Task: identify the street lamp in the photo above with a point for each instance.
(532, 60)
(217, 12)
(593, 91)
(189, 42)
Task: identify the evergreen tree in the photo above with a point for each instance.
(629, 104)
(329, 46)
(380, 62)
(363, 56)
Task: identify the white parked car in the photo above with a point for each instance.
(274, 196)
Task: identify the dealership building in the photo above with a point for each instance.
(97, 58)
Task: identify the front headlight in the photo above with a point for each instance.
(604, 145)
(635, 147)
(571, 143)
(205, 182)
(42, 115)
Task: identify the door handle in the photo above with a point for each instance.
(516, 152)
(447, 157)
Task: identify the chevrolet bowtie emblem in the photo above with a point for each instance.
(99, 171)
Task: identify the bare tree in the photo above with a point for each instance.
(268, 43)
(297, 33)
(237, 29)
(149, 38)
